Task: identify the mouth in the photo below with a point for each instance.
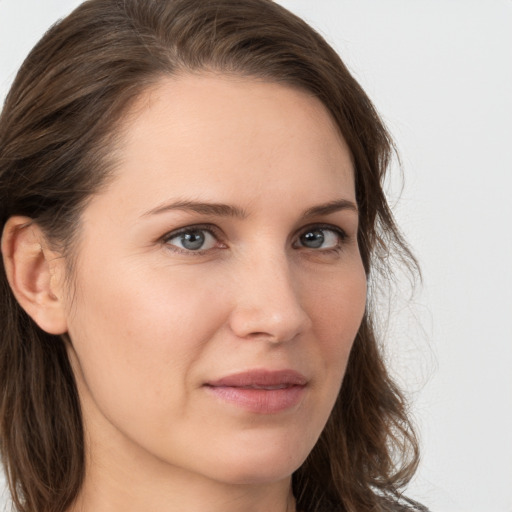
(260, 391)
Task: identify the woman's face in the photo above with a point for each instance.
(219, 285)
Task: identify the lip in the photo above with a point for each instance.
(260, 391)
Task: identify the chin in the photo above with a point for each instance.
(257, 474)
(261, 463)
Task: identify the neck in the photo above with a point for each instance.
(134, 490)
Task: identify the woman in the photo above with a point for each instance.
(191, 206)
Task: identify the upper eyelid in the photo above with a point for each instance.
(323, 225)
(214, 230)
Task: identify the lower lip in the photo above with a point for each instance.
(260, 401)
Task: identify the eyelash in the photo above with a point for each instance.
(215, 233)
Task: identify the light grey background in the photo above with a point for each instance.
(440, 73)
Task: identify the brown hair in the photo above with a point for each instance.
(57, 131)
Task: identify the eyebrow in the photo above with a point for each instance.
(226, 210)
(330, 207)
(216, 209)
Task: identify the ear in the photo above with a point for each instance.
(35, 274)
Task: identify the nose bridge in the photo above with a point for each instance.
(267, 302)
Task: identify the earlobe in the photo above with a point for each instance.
(35, 274)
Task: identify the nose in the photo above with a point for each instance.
(267, 301)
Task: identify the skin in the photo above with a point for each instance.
(150, 321)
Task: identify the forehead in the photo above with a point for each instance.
(206, 130)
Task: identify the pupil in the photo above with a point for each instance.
(313, 239)
(192, 240)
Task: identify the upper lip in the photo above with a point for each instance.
(261, 379)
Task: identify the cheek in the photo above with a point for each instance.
(337, 307)
(337, 315)
(136, 334)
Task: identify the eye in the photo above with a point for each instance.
(321, 237)
(193, 239)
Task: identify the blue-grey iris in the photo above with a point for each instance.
(313, 239)
(192, 240)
